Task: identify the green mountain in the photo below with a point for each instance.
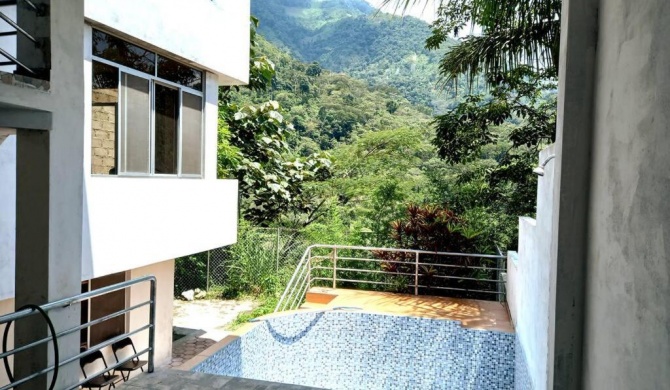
(327, 108)
(349, 36)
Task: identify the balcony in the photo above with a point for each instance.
(211, 35)
(133, 222)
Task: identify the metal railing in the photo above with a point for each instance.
(8, 319)
(38, 10)
(462, 274)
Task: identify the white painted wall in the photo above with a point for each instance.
(528, 285)
(211, 35)
(7, 215)
(164, 273)
(133, 222)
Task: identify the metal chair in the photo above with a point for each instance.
(99, 381)
(131, 365)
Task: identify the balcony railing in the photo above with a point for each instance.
(28, 52)
(463, 275)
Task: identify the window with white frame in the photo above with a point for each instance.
(147, 112)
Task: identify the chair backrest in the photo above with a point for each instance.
(123, 343)
(91, 358)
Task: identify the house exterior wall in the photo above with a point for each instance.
(211, 34)
(170, 218)
(528, 280)
(627, 319)
(127, 222)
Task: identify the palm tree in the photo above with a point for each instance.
(514, 33)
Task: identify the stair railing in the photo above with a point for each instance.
(55, 335)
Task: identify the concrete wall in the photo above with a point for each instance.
(528, 284)
(7, 215)
(627, 322)
(211, 35)
(164, 273)
(133, 222)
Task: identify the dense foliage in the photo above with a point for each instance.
(253, 148)
(380, 145)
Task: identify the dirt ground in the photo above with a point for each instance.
(201, 323)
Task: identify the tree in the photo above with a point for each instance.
(314, 70)
(516, 56)
(514, 33)
(440, 229)
(392, 106)
(253, 148)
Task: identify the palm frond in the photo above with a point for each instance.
(514, 33)
(502, 51)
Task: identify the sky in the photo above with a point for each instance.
(426, 11)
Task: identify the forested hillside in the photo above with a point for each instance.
(328, 108)
(349, 36)
(381, 151)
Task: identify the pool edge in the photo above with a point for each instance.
(216, 347)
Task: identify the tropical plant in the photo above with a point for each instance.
(516, 56)
(253, 147)
(439, 229)
(271, 181)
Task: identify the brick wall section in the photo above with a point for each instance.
(103, 141)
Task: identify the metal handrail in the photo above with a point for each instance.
(40, 10)
(302, 278)
(67, 302)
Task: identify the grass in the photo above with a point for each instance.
(266, 305)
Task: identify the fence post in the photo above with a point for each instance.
(207, 276)
(152, 323)
(309, 268)
(416, 275)
(334, 267)
(277, 249)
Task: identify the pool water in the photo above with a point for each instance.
(353, 350)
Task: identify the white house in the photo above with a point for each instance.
(108, 142)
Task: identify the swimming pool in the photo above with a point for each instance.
(354, 350)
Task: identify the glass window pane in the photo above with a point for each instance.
(124, 53)
(166, 134)
(191, 134)
(135, 129)
(178, 73)
(104, 108)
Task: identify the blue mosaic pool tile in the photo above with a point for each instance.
(351, 350)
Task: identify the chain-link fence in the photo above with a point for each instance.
(260, 262)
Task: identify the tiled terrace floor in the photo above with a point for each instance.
(187, 348)
(471, 313)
